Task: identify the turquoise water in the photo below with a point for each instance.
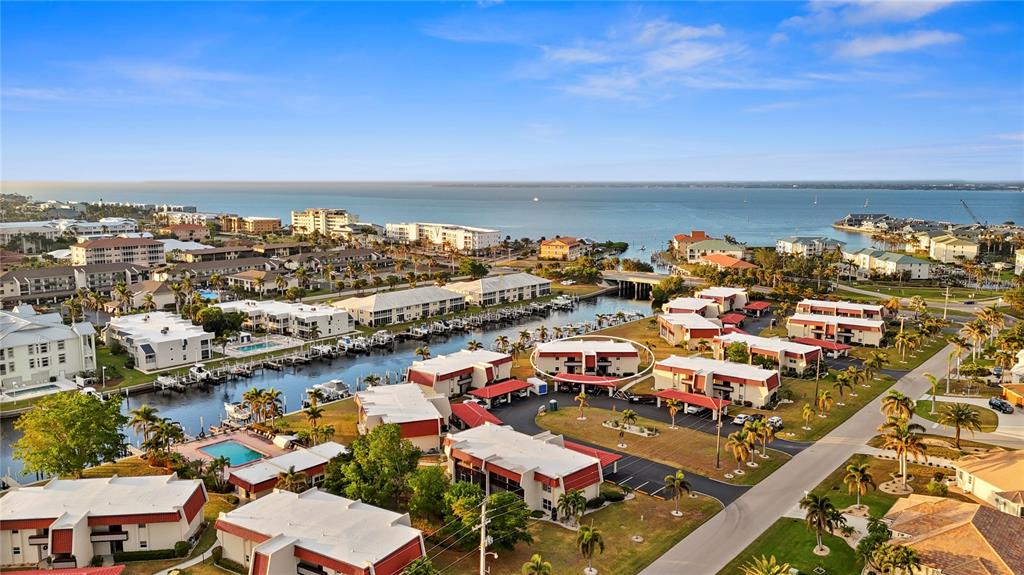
(236, 453)
(255, 346)
(31, 390)
(208, 294)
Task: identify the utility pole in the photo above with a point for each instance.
(483, 537)
(718, 438)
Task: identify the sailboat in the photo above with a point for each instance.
(815, 200)
(865, 203)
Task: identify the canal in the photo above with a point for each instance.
(198, 408)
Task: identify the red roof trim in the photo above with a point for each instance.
(605, 457)
(830, 345)
(757, 305)
(694, 398)
(505, 387)
(247, 534)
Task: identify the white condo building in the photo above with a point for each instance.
(461, 238)
(390, 307)
(491, 290)
(160, 340)
(807, 246)
(36, 349)
(419, 412)
(325, 221)
(294, 319)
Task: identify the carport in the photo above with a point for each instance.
(757, 308)
(496, 392)
(832, 349)
(606, 457)
(584, 380)
(733, 319)
(472, 415)
(712, 403)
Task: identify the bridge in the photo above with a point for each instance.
(637, 285)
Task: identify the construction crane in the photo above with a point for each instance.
(971, 213)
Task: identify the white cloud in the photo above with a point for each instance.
(576, 55)
(867, 46)
(824, 15)
(772, 107)
(778, 38)
(667, 31)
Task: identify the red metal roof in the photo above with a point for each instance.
(732, 329)
(733, 318)
(595, 380)
(727, 261)
(757, 305)
(830, 345)
(474, 415)
(111, 570)
(497, 389)
(606, 457)
(693, 398)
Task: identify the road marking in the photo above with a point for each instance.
(637, 488)
(655, 493)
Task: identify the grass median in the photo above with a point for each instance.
(988, 418)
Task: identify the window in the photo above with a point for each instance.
(143, 544)
(547, 488)
(142, 525)
(17, 550)
(31, 363)
(62, 358)
(60, 345)
(546, 504)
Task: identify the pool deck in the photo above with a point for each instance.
(273, 343)
(191, 450)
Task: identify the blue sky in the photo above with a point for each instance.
(513, 91)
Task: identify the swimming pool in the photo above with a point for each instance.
(31, 390)
(255, 346)
(236, 453)
(208, 294)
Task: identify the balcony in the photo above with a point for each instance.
(104, 536)
(64, 562)
(301, 569)
(38, 539)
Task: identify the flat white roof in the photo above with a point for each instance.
(301, 458)
(498, 283)
(694, 303)
(278, 308)
(836, 320)
(24, 326)
(720, 292)
(770, 343)
(450, 226)
(399, 299)
(586, 346)
(461, 359)
(336, 527)
(101, 496)
(690, 320)
(519, 452)
(704, 365)
(181, 245)
(149, 327)
(841, 304)
(401, 403)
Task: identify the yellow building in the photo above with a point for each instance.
(250, 225)
(564, 249)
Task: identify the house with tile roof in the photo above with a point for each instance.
(696, 251)
(562, 248)
(996, 478)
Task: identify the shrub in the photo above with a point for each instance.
(232, 566)
(97, 561)
(612, 495)
(217, 554)
(596, 502)
(536, 514)
(937, 488)
(181, 548)
(144, 555)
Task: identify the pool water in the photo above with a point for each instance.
(255, 346)
(30, 390)
(236, 453)
(208, 294)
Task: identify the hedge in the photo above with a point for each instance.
(125, 556)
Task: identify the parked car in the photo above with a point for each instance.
(693, 409)
(568, 282)
(1000, 405)
(479, 402)
(646, 399)
(741, 419)
(968, 301)
(775, 422)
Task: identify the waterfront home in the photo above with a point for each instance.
(951, 537)
(161, 293)
(688, 330)
(697, 305)
(260, 478)
(564, 249)
(216, 254)
(997, 478)
(160, 340)
(498, 289)
(724, 262)
(726, 298)
(316, 533)
(870, 263)
(102, 228)
(696, 251)
(457, 373)
(202, 271)
(587, 357)
(838, 329)
(38, 348)
(538, 468)
(37, 285)
(681, 241)
(70, 521)
(187, 232)
(787, 355)
(138, 251)
(252, 225)
(840, 308)
(736, 382)
(391, 307)
(260, 281)
(807, 246)
(950, 249)
(282, 249)
(329, 222)
(921, 241)
(466, 239)
(419, 411)
(294, 319)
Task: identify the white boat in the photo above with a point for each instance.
(199, 372)
(237, 411)
(332, 390)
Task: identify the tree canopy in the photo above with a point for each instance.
(376, 469)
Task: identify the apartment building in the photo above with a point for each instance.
(252, 225)
(840, 308)
(387, 308)
(492, 290)
(331, 222)
(788, 355)
(261, 281)
(457, 373)
(869, 262)
(282, 249)
(996, 478)
(735, 382)
(176, 217)
(218, 254)
(697, 305)
(538, 468)
(316, 533)
(201, 272)
(726, 298)
(688, 330)
(160, 340)
(587, 357)
(950, 249)
(37, 348)
(187, 232)
(807, 246)
(299, 320)
(46, 229)
(838, 329)
(37, 285)
(138, 251)
(420, 412)
(462, 238)
(564, 249)
(161, 293)
(70, 521)
(260, 478)
(339, 258)
(102, 228)
(695, 252)
(1018, 261)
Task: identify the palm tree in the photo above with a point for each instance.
(739, 444)
(807, 414)
(589, 541)
(895, 404)
(147, 302)
(423, 351)
(764, 566)
(960, 416)
(124, 297)
(524, 337)
(291, 480)
(628, 418)
(281, 283)
(975, 332)
(825, 402)
(572, 504)
(674, 405)
(891, 558)
(501, 343)
(855, 376)
(992, 318)
(906, 442)
(542, 333)
(582, 400)
(903, 340)
(755, 431)
(216, 471)
(536, 566)
(473, 345)
(858, 479)
(842, 383)
(143, 420)
(873, 364)
(960, 345)
(820, 515)
(271, 403)
(314, 413)
(677, 484)
(371, 379)
(315, 396)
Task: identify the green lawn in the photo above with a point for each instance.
(684, 448)
(905, 361)
(342, 414)
(127, 467)
(790, 541)
(645, 332)
(645, 516)
(942, 446)
(989, 419)
(578, 290)
(935, 293)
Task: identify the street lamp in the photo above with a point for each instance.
(103, 377)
